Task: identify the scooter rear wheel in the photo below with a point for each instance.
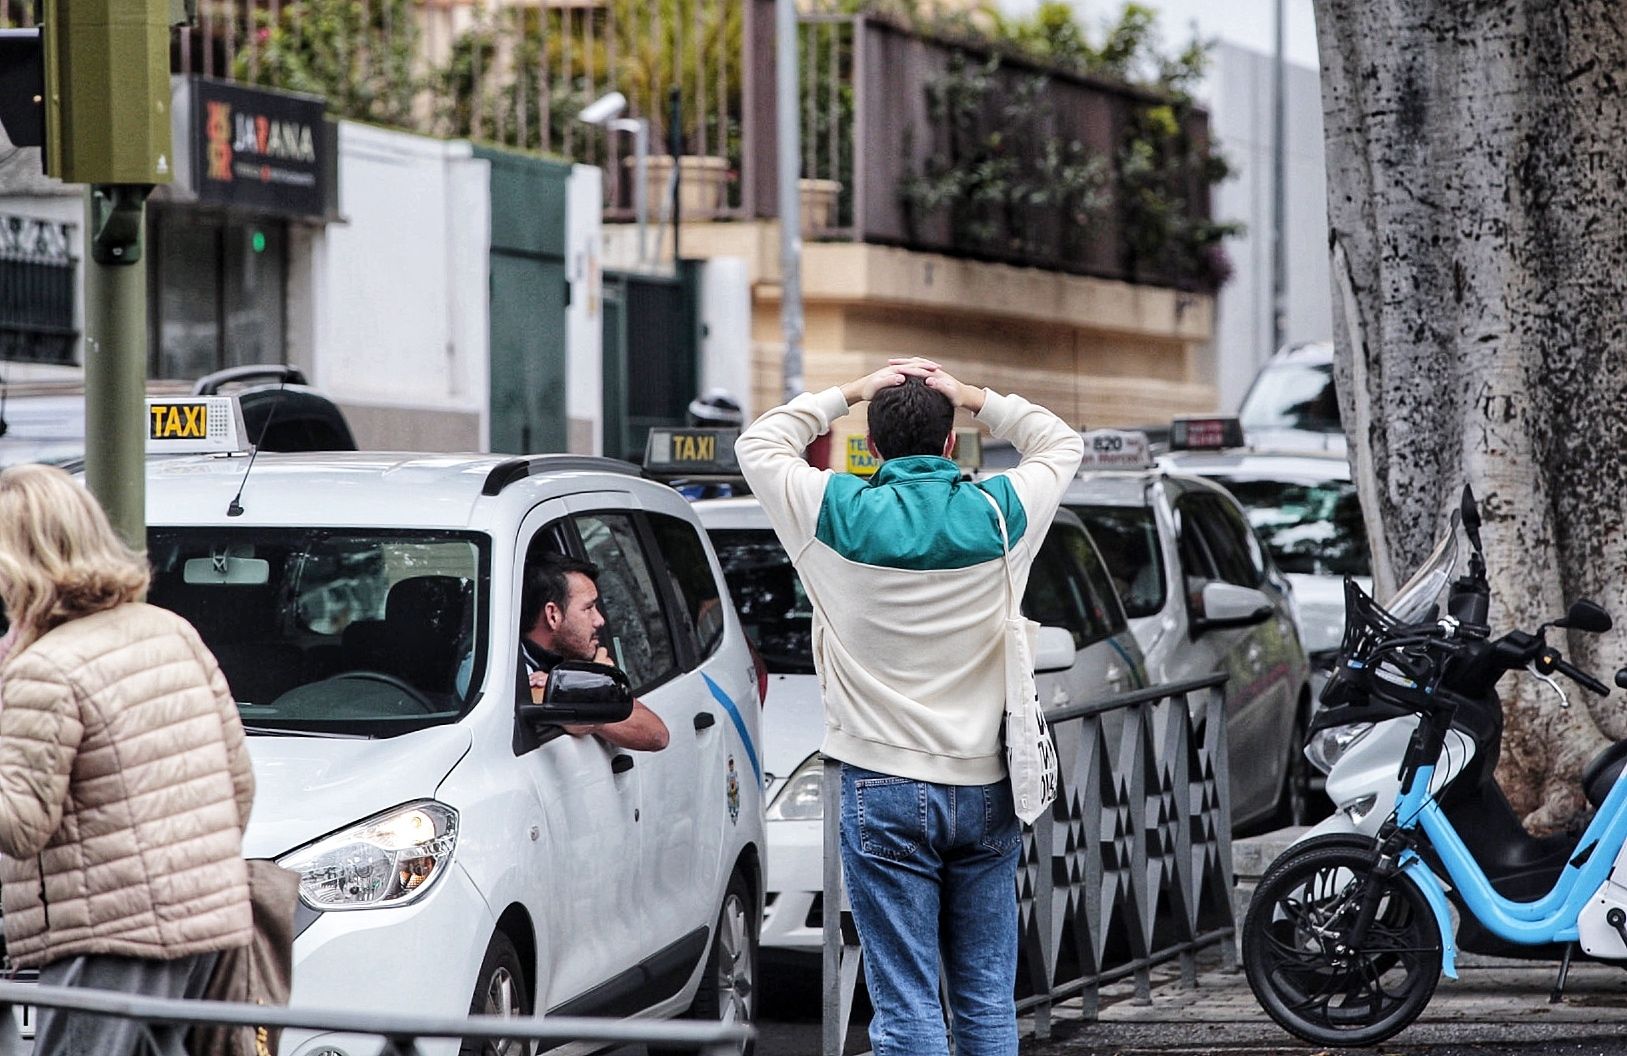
(1300, 968)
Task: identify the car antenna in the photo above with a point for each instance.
(235, 507)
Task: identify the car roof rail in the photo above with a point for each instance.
(211, 384)
(512, 470)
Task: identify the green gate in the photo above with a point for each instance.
(529, 295)
(651, 355)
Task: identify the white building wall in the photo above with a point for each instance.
(584, 318)
(395, 304)
(1239, 89)
(725, 343)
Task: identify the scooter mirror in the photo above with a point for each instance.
(1584, 615)
(1621, 678)
(1471, 517)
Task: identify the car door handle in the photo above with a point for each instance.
(705, 721)
(621, 764)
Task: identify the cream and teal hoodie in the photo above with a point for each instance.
(907, 578)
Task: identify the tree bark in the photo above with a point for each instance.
(1477, 205)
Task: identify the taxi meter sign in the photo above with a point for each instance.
(691, 453)
(1116, 449)
(194, 424)
(1205, 434)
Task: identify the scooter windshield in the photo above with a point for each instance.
(1416, 600)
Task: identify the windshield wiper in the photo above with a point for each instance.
(277, 731)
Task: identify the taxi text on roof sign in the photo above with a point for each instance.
(1116, 449)
(194, 425)
(691, 452)
(860, 462)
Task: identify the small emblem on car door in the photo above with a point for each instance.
(731, 787)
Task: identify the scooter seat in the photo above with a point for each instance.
(1599, 776)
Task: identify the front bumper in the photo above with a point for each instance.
(793, 919)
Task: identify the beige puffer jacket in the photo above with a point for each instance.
(124, 779)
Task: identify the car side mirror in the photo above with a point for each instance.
(580, 692)
(1227, 605)
(1053, 650)
(1585, 615)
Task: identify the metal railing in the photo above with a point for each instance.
(400, 1034)
(1131, 868)
(38, 289)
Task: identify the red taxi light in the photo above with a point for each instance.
(1205, 434)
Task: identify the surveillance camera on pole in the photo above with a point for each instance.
(605, 112)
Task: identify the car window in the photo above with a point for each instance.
(1315, 528)
(1234, 548)
(346, 630)
(1058, 597)
(1293, 396)
(635, 629)
(769, 598)
(691, 575)
(1127, 537)
(1105, 599)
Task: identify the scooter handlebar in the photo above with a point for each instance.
(1580, 677)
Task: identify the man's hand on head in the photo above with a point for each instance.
(940, 380)
(894, 373)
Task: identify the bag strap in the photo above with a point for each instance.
(1013, 609)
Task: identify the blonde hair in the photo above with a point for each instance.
(59, 556)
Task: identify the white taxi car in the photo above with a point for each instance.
(1085, 652)
(1203, 596)
(1304, 507)
(458, 851)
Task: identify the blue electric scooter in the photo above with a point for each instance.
(1347, 935)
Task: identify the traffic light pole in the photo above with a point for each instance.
(116, 357)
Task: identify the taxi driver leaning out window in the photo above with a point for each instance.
(560, 620)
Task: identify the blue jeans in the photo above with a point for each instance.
(932, 873)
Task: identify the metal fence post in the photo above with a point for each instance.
(833, 1021)
(1044, 892)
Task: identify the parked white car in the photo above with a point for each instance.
(1292, 403)
(1086, 652)
(1204, 597)
(460, 852)
(1304, 508)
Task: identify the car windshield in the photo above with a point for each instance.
(50, 452)
(768, 595)
(1293, 396)
(359, 631)
(1127, 537)
(1315, 528)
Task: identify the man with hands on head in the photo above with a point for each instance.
(560, 620)
(908, 578)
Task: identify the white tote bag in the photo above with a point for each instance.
(1030, 755)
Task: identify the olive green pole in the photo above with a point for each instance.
(116, 372)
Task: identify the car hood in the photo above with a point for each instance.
(1321, 601)
(793, 724)
(307, 787)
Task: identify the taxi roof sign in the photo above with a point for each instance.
(190, 425)
(1116, 449)
(860, 462)
(691, 454)
(1209, 433)
(968, 452)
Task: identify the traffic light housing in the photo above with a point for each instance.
(107, 91)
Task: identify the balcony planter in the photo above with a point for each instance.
(703, 193)
(819, 201)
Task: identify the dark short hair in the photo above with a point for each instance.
(547, 580)
(910, 419)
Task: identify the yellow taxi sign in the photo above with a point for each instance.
(1116, 449)
(860, 462)
(691, 453)
(194, 424)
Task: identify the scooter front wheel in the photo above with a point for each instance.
(1305, 973)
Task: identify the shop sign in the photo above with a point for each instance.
(258, 150)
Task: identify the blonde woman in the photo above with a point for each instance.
(124, 782)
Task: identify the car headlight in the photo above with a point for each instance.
(803, 797)
(388, 860)
(1327, 747)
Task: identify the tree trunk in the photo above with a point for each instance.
(1477, 200)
